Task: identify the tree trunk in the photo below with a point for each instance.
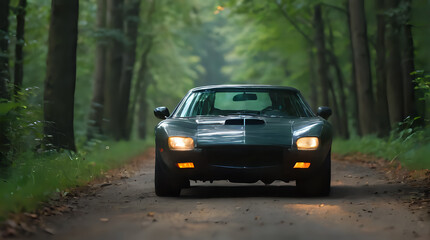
(408, 65)
(394, 67)
(313, 80)
(4, 79)
(336, 113)
(4, 49)
(383, 119)
(343, 120)
(97, 102)
(321, 54)
(362, 66)
(353, 85)
(113, 68)
(129, 58)
(142, 82)
(140, 96)
(143, 110)
(61, 75)
(19, 67)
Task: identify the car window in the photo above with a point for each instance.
(224, 101)
(265, 102)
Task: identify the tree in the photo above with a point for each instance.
(343, 114)
(362, 66)
(353, 84)
(113, 67)
(129, 58)
(61, 75)
(393, 65)
(97, 102)
(4, 49)
(408, 65)
(4, 77)
(381, 76)
(321, 55)
(20, 24)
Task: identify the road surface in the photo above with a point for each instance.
(364, 204)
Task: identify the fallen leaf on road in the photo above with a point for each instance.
(32, 215)
(150, 214)
(49, 230)
(105, 185)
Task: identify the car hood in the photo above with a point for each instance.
(244, 130)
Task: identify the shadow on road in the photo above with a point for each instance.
(289, 191)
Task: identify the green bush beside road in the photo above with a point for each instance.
(35, 177)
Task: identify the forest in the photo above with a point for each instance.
(79, 79)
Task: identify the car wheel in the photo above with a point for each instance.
(166, 183)
(319, 183)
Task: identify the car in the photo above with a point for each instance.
(243, 134)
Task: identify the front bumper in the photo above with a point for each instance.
(243, 163)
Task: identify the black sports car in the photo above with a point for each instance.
(243, 133)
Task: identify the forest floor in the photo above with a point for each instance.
(370, 199)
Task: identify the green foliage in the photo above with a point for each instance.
(24, 129)
(409, 144)
(422, 81)
(35, 177)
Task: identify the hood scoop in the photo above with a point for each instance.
(245, 121)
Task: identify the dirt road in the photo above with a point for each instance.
(363, 205)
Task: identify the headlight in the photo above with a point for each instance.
(181, 143)
(307, 143)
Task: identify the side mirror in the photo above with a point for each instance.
(324, 112)
(161, 112)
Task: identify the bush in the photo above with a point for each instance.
(34, 177)
(408, 144)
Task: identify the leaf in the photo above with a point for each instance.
(5, 108)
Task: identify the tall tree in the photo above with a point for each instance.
(381, 77)
(132, 8)
(353, 85)
(61, 74)
(4, 77)
(362, 66)
(143, 76)
(408, 65)
(321, 55)
(343, 124)
(393, 64)
(97, 102)
(4, 49)
(113, 67)
(19, 66)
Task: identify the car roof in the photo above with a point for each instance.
(244, 86)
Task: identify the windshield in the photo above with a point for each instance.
(266, 102)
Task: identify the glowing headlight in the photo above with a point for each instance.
(181, 143)
(307, 143)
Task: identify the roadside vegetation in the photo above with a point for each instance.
(35, 177)
(410, 147)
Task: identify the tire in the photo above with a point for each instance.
(166, 183)
(319, 183)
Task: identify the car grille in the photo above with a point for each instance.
(249, 156)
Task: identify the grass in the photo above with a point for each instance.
(412, 150)
(35, 177)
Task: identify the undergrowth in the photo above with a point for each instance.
(409, 145)
(35, 177)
